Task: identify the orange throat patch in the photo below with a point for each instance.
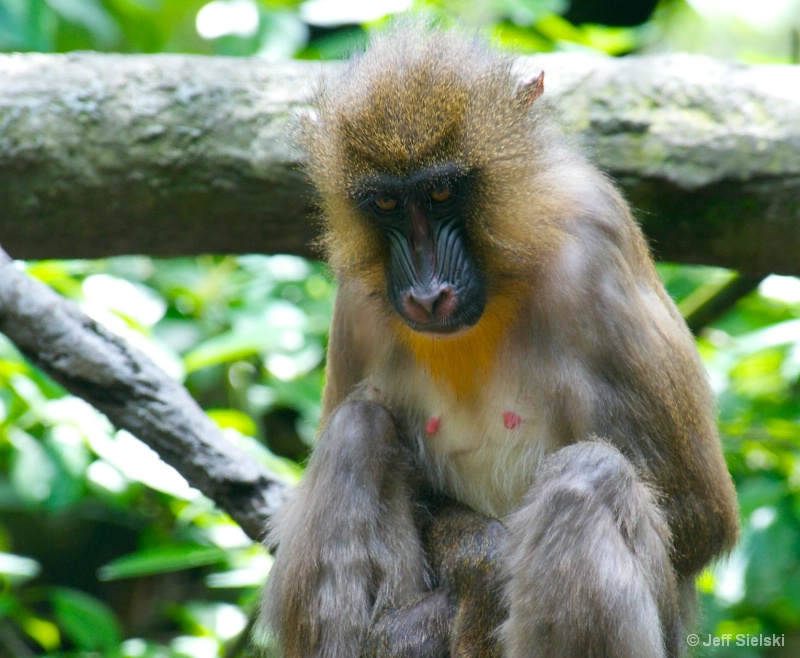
(461, 362)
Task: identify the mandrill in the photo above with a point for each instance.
(518, 454)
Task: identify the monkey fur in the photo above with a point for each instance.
(518, 453)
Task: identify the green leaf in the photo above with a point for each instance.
(773, 566)
(233, 419)
(226, 347)
(509, 36)
(91, 15)
(44, 632)
(761, 492)
(279, 326)
(90, 624)
(163, 559)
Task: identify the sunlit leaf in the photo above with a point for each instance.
(282, 34)
(252, 575)
(233, 419)
(610, 40)
(162, 559)
(33, 472)
(18, 569)
(218, 620)
(137, 303)
(44, 632)
(140, 463)
(520, 39)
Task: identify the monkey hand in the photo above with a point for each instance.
(460, 616)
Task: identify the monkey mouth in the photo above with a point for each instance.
(461, 320)
(440, 331)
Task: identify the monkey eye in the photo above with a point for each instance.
(385, 202)
(441, 193)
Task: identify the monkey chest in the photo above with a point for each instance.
(483, 452)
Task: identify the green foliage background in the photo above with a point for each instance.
(105, 551)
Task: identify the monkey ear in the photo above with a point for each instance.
(305, 124)
(527, 92)
(306, 117)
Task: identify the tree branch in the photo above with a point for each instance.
(136, 395)
(167, 155)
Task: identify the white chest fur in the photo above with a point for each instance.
(484, 451)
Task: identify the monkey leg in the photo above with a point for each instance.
(347, 543)
(588, 565)
(460, 617)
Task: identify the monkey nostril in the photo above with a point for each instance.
(426, 301)
(418, 308)
(444, 305)
(426, 306)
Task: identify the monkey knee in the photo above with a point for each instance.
(359, 433)
(361, 418)
(591, 474)
(590, 490)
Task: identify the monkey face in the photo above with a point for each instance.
(433, 282)
(420, 165)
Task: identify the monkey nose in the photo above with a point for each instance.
(430, 305)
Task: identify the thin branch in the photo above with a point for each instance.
(722, 301)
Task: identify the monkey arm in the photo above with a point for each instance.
(649, 390)
(349, 350)
(671, 436)
(347, 542)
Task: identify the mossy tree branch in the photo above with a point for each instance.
(170, 155)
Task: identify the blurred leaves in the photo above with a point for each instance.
(327, 29)
(752, 357)
(150, 26)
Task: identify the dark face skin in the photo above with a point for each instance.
(434, 283)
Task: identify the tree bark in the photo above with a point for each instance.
(170, 155)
